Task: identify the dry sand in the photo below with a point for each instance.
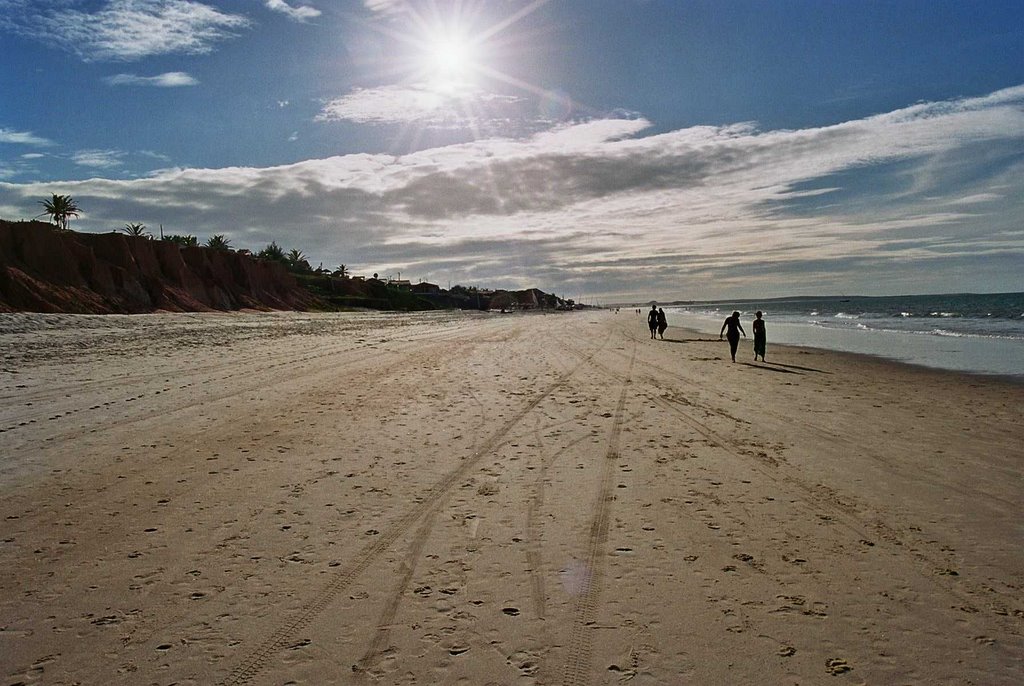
(483, 499)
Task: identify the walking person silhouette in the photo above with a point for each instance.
(760, 336)
(652, 319)
(733, 324)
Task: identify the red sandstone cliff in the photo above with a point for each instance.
(45, 270)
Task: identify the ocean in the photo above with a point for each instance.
(978, 333)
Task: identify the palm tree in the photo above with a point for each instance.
(297, 261)
(218, 242)
(186, 241)
(138, 230)
(272, 252)
(60, 208)
(341, 271)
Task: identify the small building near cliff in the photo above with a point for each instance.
(425, 287)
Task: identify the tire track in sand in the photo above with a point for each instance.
(387, 617)
(386, 620)
(534, 556)
(576, 671)
(257, 660)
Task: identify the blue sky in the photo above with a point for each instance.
(608, 150)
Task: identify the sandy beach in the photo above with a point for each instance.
(289, 498)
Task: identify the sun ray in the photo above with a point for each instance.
(512, 19)
(464, 56)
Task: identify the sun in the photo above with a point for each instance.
(450, 60)
(451, 55)
(454, 47)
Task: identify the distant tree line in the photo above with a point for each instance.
(61, 208)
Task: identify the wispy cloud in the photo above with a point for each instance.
(99, 159)
(301, 13)
(455, 108)
(171, 79)
(603, 207)
(22, 138)
(123, 30)
(386, 6)
(154, 155)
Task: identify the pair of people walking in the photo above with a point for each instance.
(657, 322)
(733, 335)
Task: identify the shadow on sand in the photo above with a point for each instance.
(770, 368)
(803, 369)
(689, 340)
(786, 368)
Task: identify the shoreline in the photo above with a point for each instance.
(12, 323)
(967, 376)
(999, 359)
(317, 498)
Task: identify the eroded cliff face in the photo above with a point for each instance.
(45, 270)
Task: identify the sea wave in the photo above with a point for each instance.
(967, 332)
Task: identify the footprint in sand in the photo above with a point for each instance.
(837, 665)
(525, 662)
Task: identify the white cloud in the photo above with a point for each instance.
(975, 199)
(171, 79)
(22, 138)
(99, 159)
(154, 155)
(424, 105)
(600, 207)
(124, 29)
(386, 6)
(302, 13)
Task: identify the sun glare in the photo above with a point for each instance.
(450, 60)
(450, 55)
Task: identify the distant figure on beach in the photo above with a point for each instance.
(662, 323)
(652, 320)
(733, 324)
(760, 338)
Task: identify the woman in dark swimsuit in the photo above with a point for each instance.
(760, 338)
(733, 324)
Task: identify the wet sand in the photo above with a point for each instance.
(485, 499)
